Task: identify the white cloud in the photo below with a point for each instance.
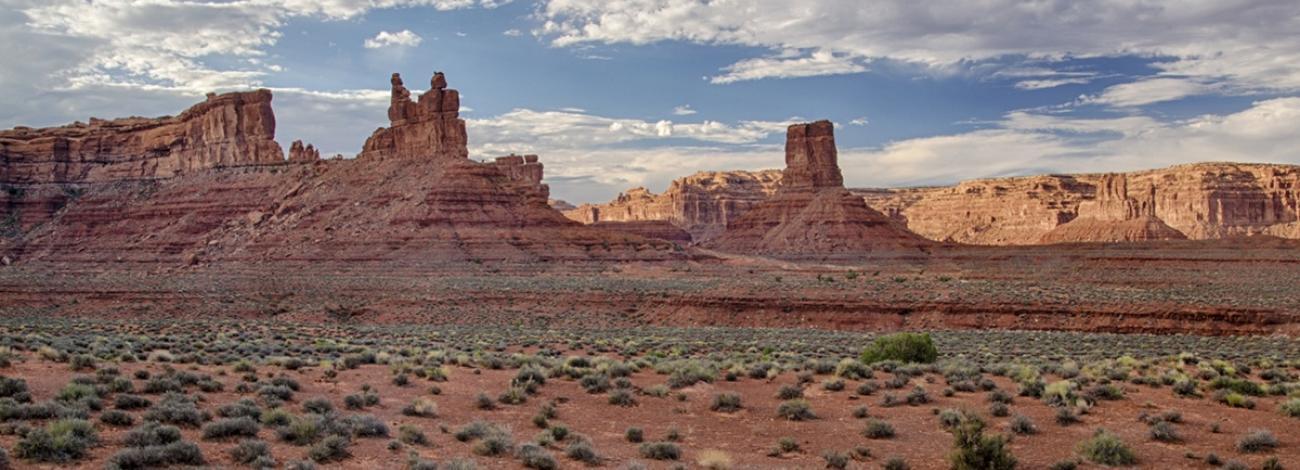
(527, 130)
(791, 65)
(1050, 83)
(860, 121)
(1248, 44)
(514, 33)
(385, 39)
(1143, 92)
(149, 43)
(684, 110)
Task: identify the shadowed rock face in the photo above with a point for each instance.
(812, 214)
(413, 197)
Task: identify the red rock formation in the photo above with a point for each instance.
(812, 214)
(702, 203)
(429, 128)
(412, 199)
(300, 154)
(1200, 201)
(44, 169)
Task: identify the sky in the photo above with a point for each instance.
(614, 94)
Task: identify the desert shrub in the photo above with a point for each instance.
(918, 396)
(231, 427)
(535, 456)
(1105, 392)
(725, 402)
(1106, 448)
(634, 435)
(276, 417)
(1234, 399)
(867, 388)
(250, 450)
(160, 385)
(903, 347)
(972, 450)
(513, 396)
(1257, 440)
(412, 435)
(1271, 463)
(999, 409)
(795, 410)
(117, 418)
(130, 402)
(319, 406)
(494, 444)
(622, 397)
(1186, 388)
(835, 459)
(1066, 416)
(582, 451)
(152, 434)
(302, 430)
(59, 441)
(244, 408)
(834, 385)
(949, 418)
(789, 392)
(1242, 386)
(484, 402)
(1021, 424)
(852, 369)
(366, 426)
(860, 412)
(330, 449)
(558, 432)
(14, 388)
(422, 407)
(1164, 431)
(176, 409)
(179, 453)
(660, 451)
(1290, 408)
(878, 429)
(895, 463)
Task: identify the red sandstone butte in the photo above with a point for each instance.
(812, 214)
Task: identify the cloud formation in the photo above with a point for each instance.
(403, 38)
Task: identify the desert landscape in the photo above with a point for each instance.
(183, 292)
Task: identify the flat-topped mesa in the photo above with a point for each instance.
(429, 129)
(1115, 215)
(300, 154)
(232, 129)
(811, 160)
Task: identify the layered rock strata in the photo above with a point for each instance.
(812, 214)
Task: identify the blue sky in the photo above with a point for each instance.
(616, 94)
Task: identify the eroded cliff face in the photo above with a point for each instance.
(702, 203)
(412, 198)
(1197, 201)
(41, 170)
(812, 214)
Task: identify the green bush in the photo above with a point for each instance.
(1106, 448)
(152, 434)
(330, 449)
(536, 457)
(59, 441)
(972, 450)
(903, 347)
(1291, 408)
